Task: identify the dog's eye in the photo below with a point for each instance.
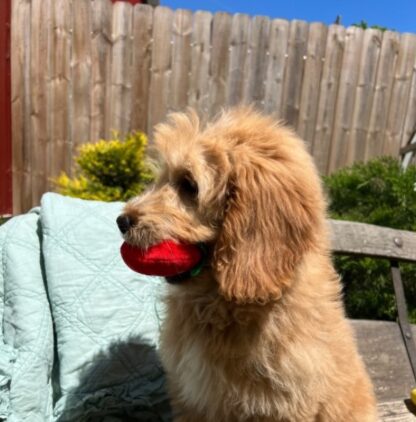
(188, 186)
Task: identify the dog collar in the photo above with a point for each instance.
(193, 272)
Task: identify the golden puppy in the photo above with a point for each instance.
(260, 334)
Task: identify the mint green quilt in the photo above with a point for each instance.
(80, 330)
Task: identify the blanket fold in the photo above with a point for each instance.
(80, 330)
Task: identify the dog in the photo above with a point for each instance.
(260, 334)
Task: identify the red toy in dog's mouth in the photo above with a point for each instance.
(166, 259)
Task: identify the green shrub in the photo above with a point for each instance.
(380, 193)
(113, 170)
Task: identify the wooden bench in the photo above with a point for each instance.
(387, 347)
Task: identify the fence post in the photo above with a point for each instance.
(5, 110)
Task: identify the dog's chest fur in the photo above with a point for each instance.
(212, 367)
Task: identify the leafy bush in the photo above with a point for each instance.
(113, 170)
(380, 193)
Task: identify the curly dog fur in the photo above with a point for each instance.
(260, 334)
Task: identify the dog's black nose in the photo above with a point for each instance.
(124, 223)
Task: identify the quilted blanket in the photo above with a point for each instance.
(80, 330)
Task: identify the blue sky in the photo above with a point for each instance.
(399, 15)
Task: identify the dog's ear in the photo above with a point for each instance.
(268, 225)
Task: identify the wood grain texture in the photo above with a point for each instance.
(276, 66)
(256, 62)
(200, 63)
(321, 146)
(20, 59)
(381, 345)
(396, 411)
(364, 94)
(296, 51)
(59, 149)
(400, 95)
(221, 32)
(410, 115)
(181, 60)
(315, 53)
(161, 66)
(100, 66)
(81, 73)
(27, 149)
(344, 108)
(142, 59)
(121, 62)
(369, 240)
(382, 93)
(239, 44)
(39, 73)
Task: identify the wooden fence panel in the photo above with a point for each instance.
(364, 95)
(142, 60)
(278, 43)
(221, 32)
(200, 63)
(100, 66)
(400, 95)
(161, 65)
(328, 96)
(121, 67)
(410, 124)
(19, 62)
(59, 149)
(39, 68)
(181, 60)
(240, 27)
(382, 93)
(311, 82)
(256, 62)
(346, 97)
(81, 73)
(298, 39)
(82, 68)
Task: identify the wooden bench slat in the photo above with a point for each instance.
(369, 240)
(395, 411)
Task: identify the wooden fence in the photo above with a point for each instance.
(81, 68)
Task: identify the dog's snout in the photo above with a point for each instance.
(124, 222)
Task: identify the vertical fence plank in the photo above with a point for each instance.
(328, 97)
(256, 62)
(100, 64)
(59, 148)
(39, 69)
(221, 32)
(121, 67)
(81, 72)
(161, 65)
(409, 127)
(200, 61)
(26, 188)
(298, 36)
(19, 59)
(142, 54)
(382, 93)
(311, 82)
(346, 97)
(276, 65)
(238, 56)
(181, 60)
(400, 94)
(364, 95)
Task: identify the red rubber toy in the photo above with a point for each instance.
(165, 259)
